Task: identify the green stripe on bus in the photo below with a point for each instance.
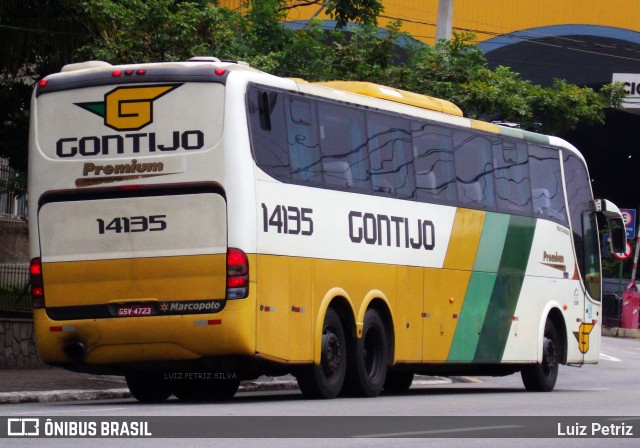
(494, 233)
(476, 301)
(536, 138)
(512, 132)
(472, 316)
(506, 291)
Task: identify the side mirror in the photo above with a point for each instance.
(618, 238)
(618, 235)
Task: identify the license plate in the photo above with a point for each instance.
(133, 310)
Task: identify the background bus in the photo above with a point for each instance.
(200, 223)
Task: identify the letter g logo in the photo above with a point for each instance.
(129, 108)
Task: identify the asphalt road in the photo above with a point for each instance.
(588, 395)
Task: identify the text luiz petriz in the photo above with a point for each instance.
(594, 430)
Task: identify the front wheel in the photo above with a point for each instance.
(325, 380)
(368, 358)
(542, 377)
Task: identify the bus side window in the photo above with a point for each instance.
(303, 143)
(511, 175)
(389, 140)
(267, 129)
(345, 159)
(547, 193)
(474, 170)
(433, 163)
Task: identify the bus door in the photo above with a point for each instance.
(586, 244)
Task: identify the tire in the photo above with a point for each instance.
(200, 390)
(398, 382)
(368, 358)
(326, 380)
(149, 388)
(542, 377)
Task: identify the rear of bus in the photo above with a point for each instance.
(129, 192)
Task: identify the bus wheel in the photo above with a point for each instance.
(325, 380)
(149, 388)
(398, 382)
(206, 389)
(542, 377)
(368, 359)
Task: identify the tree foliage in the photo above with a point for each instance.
(361, 12)
(36, 37)
(126, 31)
(158, 30)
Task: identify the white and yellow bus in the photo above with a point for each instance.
(194, 224)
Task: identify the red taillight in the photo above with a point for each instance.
(237, 263)
(220, 71)
(128, 72)
(43, 82)
(237, 274)
(116, 73)
(37, 287)
(237, 281)
(35, 267)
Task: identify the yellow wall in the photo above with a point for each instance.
(491, 18)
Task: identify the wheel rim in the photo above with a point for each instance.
(550, 357)
(331, 353)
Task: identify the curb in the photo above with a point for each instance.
(62, 395)
(246, 386)
(106, 394)
(618, 332)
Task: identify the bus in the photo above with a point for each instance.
(195, 224)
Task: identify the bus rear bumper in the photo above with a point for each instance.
(116, 341)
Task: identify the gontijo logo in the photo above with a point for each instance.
(128, 108)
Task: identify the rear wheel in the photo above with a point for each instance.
(368, 358)
(325, 380)
(398, 382)
(149, 388)
(542, 377)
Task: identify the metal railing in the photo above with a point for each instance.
(15, 294)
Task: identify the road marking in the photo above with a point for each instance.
(609, 357)
(439, 431)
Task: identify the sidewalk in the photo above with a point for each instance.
(55, 384)
(621, 332)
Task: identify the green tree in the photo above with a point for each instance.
(126, 31)
(362, 12)
(36, 38)
(159, 30)
(458, 71)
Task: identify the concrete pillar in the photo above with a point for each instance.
(445, 20)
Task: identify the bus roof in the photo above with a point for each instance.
(393, 94)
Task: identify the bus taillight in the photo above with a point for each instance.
(37, 288)
(237, 274)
